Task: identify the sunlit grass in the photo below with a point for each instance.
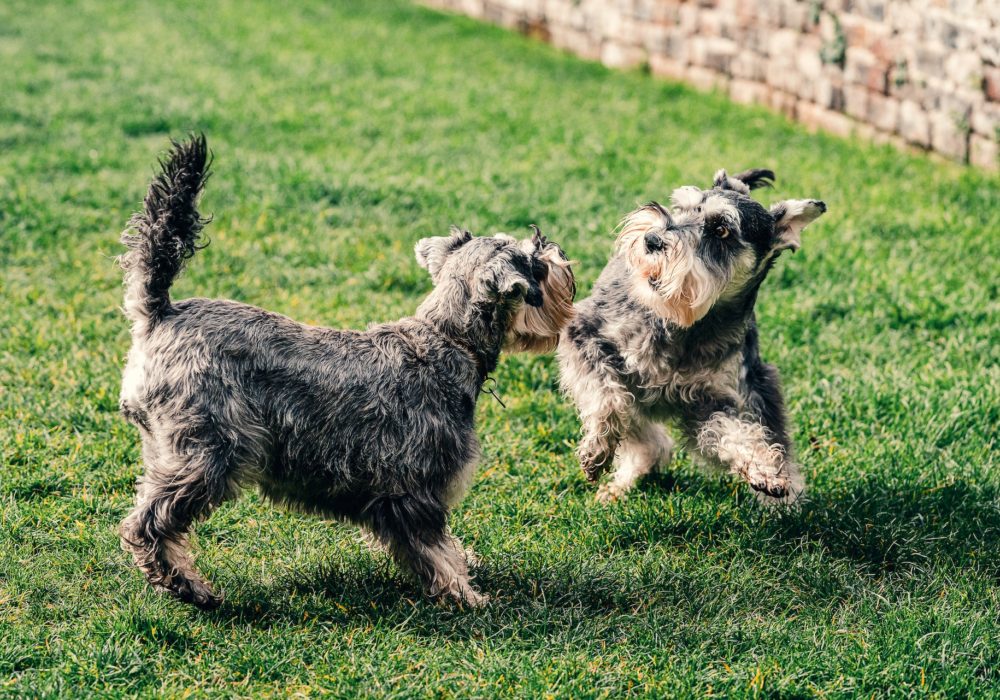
(343, 132)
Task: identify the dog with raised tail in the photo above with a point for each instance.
(375, 427)
(669, 334)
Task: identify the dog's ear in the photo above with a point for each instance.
(432, 252)
(745, 181)
(511, 283)
(790, 217)
(755, 178)
(536, 327)
(513, 276)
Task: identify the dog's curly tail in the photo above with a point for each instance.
(165, 233)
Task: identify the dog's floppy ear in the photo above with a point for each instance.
(432, 252)
(550, 266)
(515, 276)
(537, 328)
(790, 217)
(512, 283)
(745, 181)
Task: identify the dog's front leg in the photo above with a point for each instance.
(745, 447)
(602, 433)
(414, 530)
(605, 413)
(593, 380)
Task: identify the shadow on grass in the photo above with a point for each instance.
(340, 591)
(876, 529)
(881, 528)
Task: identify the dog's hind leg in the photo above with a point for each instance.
(415, 531)
(176, 490)
(646, 447)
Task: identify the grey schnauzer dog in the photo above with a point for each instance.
(374, 427)
(669, 333)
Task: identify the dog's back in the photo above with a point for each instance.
(325, 407)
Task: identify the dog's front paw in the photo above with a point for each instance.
(374, 544)
(594, 465)
(610, 493)
(197, 593)
(773, 485)
(469, 597)
(472, 558)
(777, 489)
(476, 600)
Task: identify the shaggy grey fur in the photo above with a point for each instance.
(375, 427)
(669, 333)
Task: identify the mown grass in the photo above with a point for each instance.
(344, 132)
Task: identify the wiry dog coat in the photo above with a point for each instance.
(669, 334)
(375, 427)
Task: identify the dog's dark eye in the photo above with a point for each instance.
(722, 231)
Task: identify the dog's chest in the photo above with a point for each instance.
(660, 384)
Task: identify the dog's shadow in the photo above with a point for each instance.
(340, 590)
(877, 527)
(879, 530)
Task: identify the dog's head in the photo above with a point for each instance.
(532, 279)
(537, 328)
(712, 244)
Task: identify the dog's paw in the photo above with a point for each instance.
(610, 493)
(460, 593)
(374, 544)
(792, 499)
(595, 465)
(772, 485)
(197, 593)
(776, 489)
(472, 558)
(476, 600)
(469, 597)
(210, 601)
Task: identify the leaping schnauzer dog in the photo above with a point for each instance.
(375, 427)
(669, 333)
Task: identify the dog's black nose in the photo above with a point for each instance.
(653, 242)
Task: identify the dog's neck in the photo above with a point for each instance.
(720, 333)
(478, 327)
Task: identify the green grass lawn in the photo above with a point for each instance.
(343, 132)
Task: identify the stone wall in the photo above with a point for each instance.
(918, 72)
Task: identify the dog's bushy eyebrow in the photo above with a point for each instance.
(656, 206)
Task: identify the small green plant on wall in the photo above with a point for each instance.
(815, 11)
(900, 73)
(834, 51)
